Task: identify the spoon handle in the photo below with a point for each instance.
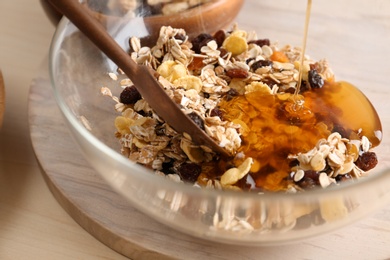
(142, 77)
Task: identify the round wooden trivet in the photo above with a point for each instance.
(112, 220)
(94, 205)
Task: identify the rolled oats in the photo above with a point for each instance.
(200, 83)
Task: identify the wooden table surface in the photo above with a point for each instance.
(32, 223)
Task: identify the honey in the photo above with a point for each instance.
(274, 126)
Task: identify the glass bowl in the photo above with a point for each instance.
(358, 54)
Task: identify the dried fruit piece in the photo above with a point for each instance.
(197, 119)
(261, 42)
(367, 161)
(189, 172)
(279, 56)
(315, 79)
(130, 95)
(220, 37)
(261, 63)
(200, 41)
(237, 73)
(216, 112)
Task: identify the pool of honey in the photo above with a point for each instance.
(275, 126)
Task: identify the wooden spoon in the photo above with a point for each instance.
(142, 77)
(2, 98)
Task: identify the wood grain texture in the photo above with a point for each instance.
(2, 98)
(109, 218)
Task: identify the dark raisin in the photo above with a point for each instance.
(249, 60)
(261, 42)
(180, 37)
(197, 119)
(200, 41)
(231, 94)
(344, 177)
(167, 168)
(367, 161)
(130, 95)
(315, 79)
(293, 163)
(216, 112)
(310, 180)
(260, 64)
(189, 172)
(220, 37)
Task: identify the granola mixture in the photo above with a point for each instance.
(226, 83)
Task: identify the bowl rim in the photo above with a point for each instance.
(146, 175)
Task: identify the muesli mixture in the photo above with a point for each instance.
(240, 89)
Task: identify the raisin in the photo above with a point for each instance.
(249, 60)
(310, 180)
(200, 41)
(197, 119)
(237, 73)
(180, 37)
(293, 163)
(260, 64)
(216, 112)
(130, 95)
(231, 94)
(219, 37)
(367, 161)
(189, 172)
(261, 42)
(223, 52)
(344, 177)
(315, 79)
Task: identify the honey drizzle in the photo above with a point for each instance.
(298, 123)
(302, 58)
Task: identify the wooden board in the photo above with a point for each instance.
(113, 221)
(2, 98)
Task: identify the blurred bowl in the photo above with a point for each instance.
(78, 71)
